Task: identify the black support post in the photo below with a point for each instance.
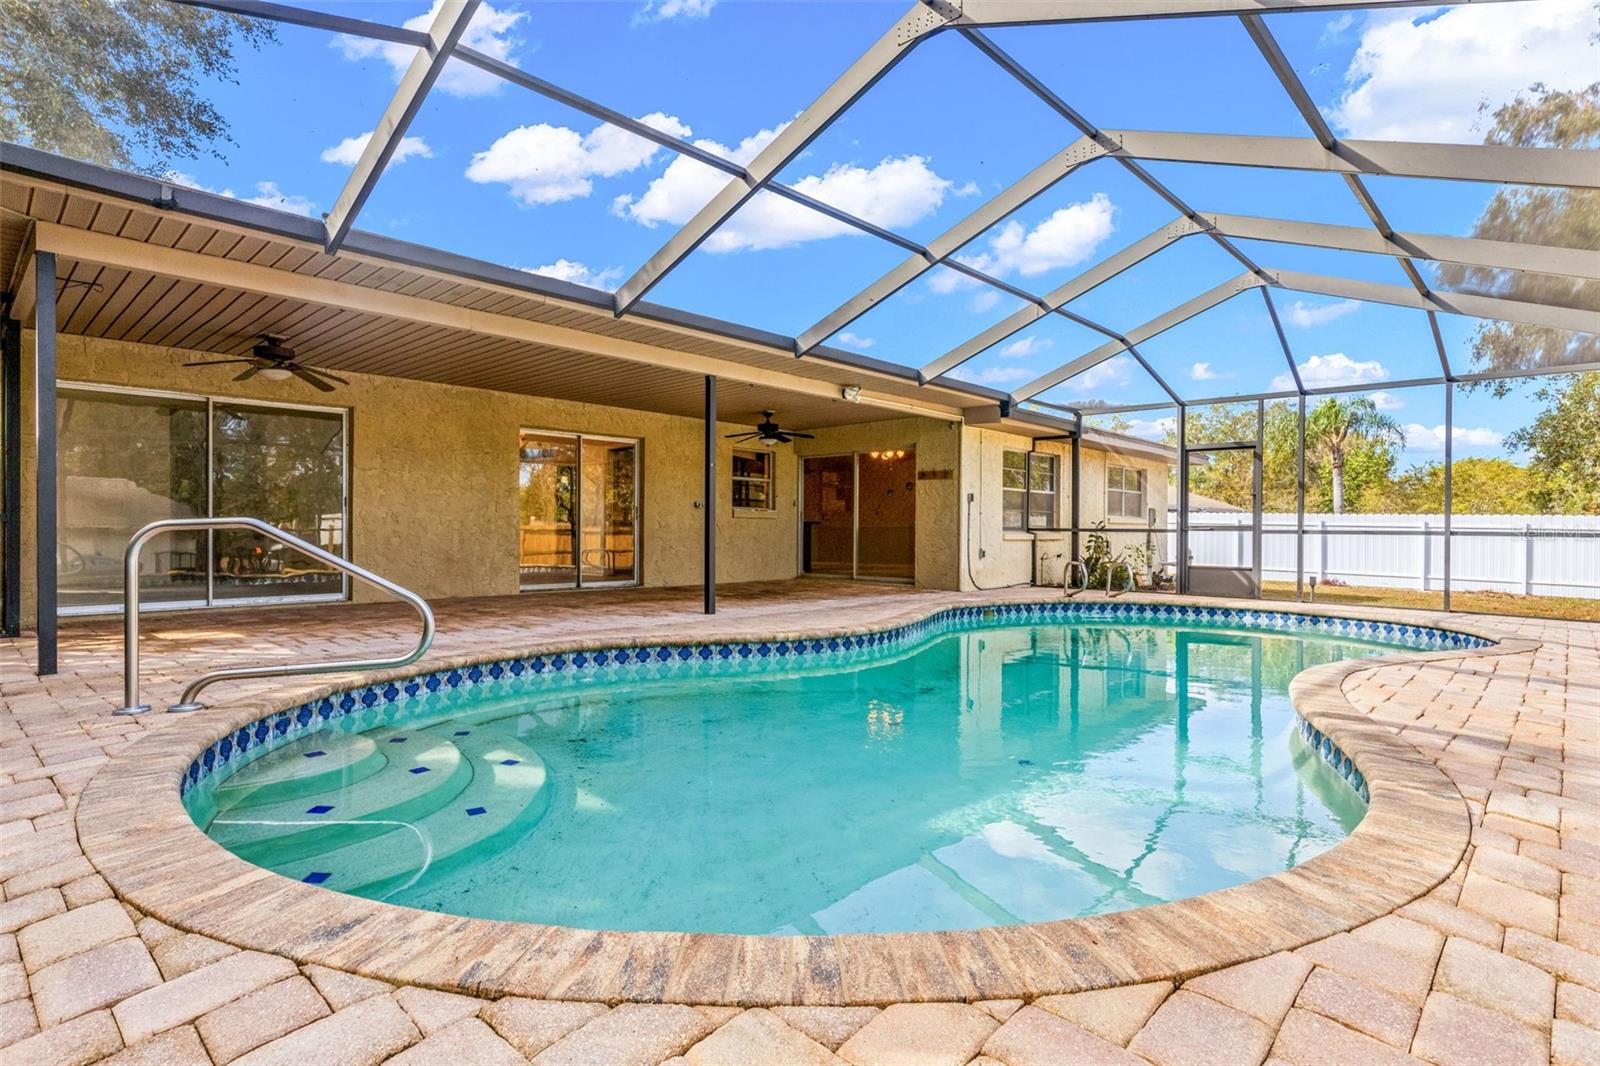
(1077, 489)
(44, 482)
(1183, 499)
(710, 578)
(11, 485)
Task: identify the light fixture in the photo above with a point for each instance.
(276, 373)
(851, 393)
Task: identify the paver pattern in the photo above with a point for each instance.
(1500, 963)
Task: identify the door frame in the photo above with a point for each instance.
(1215, 580)
(855, 522)
(577, 512)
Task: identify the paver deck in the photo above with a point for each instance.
(1500, 962)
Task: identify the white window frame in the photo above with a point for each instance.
(770, 480)
(1027, 501)
(1121, 492)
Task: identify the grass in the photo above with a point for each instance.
(1569, 607)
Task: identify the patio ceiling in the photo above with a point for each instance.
(130, 270)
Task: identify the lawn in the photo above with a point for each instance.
(1570, 607)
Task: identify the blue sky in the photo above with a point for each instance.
(496, 172)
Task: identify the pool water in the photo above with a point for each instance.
(992, 775)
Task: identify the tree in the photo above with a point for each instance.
(117, 83)
(1477, 486)
(1352, 436)
(1565, 442)
(1554, 216)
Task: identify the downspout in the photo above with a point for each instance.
(1027, 501)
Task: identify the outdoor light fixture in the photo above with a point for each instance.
(277, 373)
(851, 393)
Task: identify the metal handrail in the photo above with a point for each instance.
(1066, 576)
(130, 613)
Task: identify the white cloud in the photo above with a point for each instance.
(579, 273)
(1026, 348)
(1149, 428)
(1335, 27)
(1386, 401)
(489, 33)
(1070, 235)
(1431, 438)
(897, 192)
(348, 151)
(546, 164)
(1335, 369)
(1425, 78)
(663, 10)
(1113, 371)
(855, 340)
(267, 194)
(994, 375)
(1204, 372)
(1304, 316)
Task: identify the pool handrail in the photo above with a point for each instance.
(189, 701)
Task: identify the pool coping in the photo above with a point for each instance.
(136, 831)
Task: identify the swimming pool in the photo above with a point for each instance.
(984, 767)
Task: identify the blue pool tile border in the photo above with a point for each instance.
(363, 703)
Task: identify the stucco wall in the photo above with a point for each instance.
(433, 472)
(1000, 557)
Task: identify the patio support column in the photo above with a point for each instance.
(1077, 490)
(710, 504)
(1449, 441)
(11, 490)
(1183, 498)
(1300, 503)
(44, 482)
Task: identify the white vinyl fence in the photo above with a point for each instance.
(1533, 555)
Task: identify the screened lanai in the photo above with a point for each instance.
(1333, 255)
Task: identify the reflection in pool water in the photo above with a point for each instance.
(1014, 773)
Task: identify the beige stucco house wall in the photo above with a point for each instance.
(433, 473)
(433, 480)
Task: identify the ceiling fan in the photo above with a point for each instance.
(275, 362)
(767, 432)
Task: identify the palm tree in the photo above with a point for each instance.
(1334, 426)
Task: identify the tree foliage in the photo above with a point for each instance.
(1565, 444)
(118, 83)
(1478, 486)
(1552, 216)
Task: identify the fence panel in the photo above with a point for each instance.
(1533, 555)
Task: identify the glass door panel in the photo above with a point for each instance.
(546, 481)
(285, 467)
(886, 544)
(126, 461)
(608, 511)
(829, 529)
(1223, 537)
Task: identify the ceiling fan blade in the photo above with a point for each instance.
(312, 379)
(217, 362)
(802, 436)
(249, 372)
(741, 436)
(780, 437)
(327, 374)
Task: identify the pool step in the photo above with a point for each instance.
(306, 767)
(508, 793)
(422, 772)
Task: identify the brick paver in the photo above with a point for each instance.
(1499, 963)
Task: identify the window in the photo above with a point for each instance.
(131, 457)
(1124, 492)
(752, 481)
(1028, 483)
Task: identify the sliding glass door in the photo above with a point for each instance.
(131, 458)
(578, 506)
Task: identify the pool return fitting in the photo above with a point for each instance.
(190, 700)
